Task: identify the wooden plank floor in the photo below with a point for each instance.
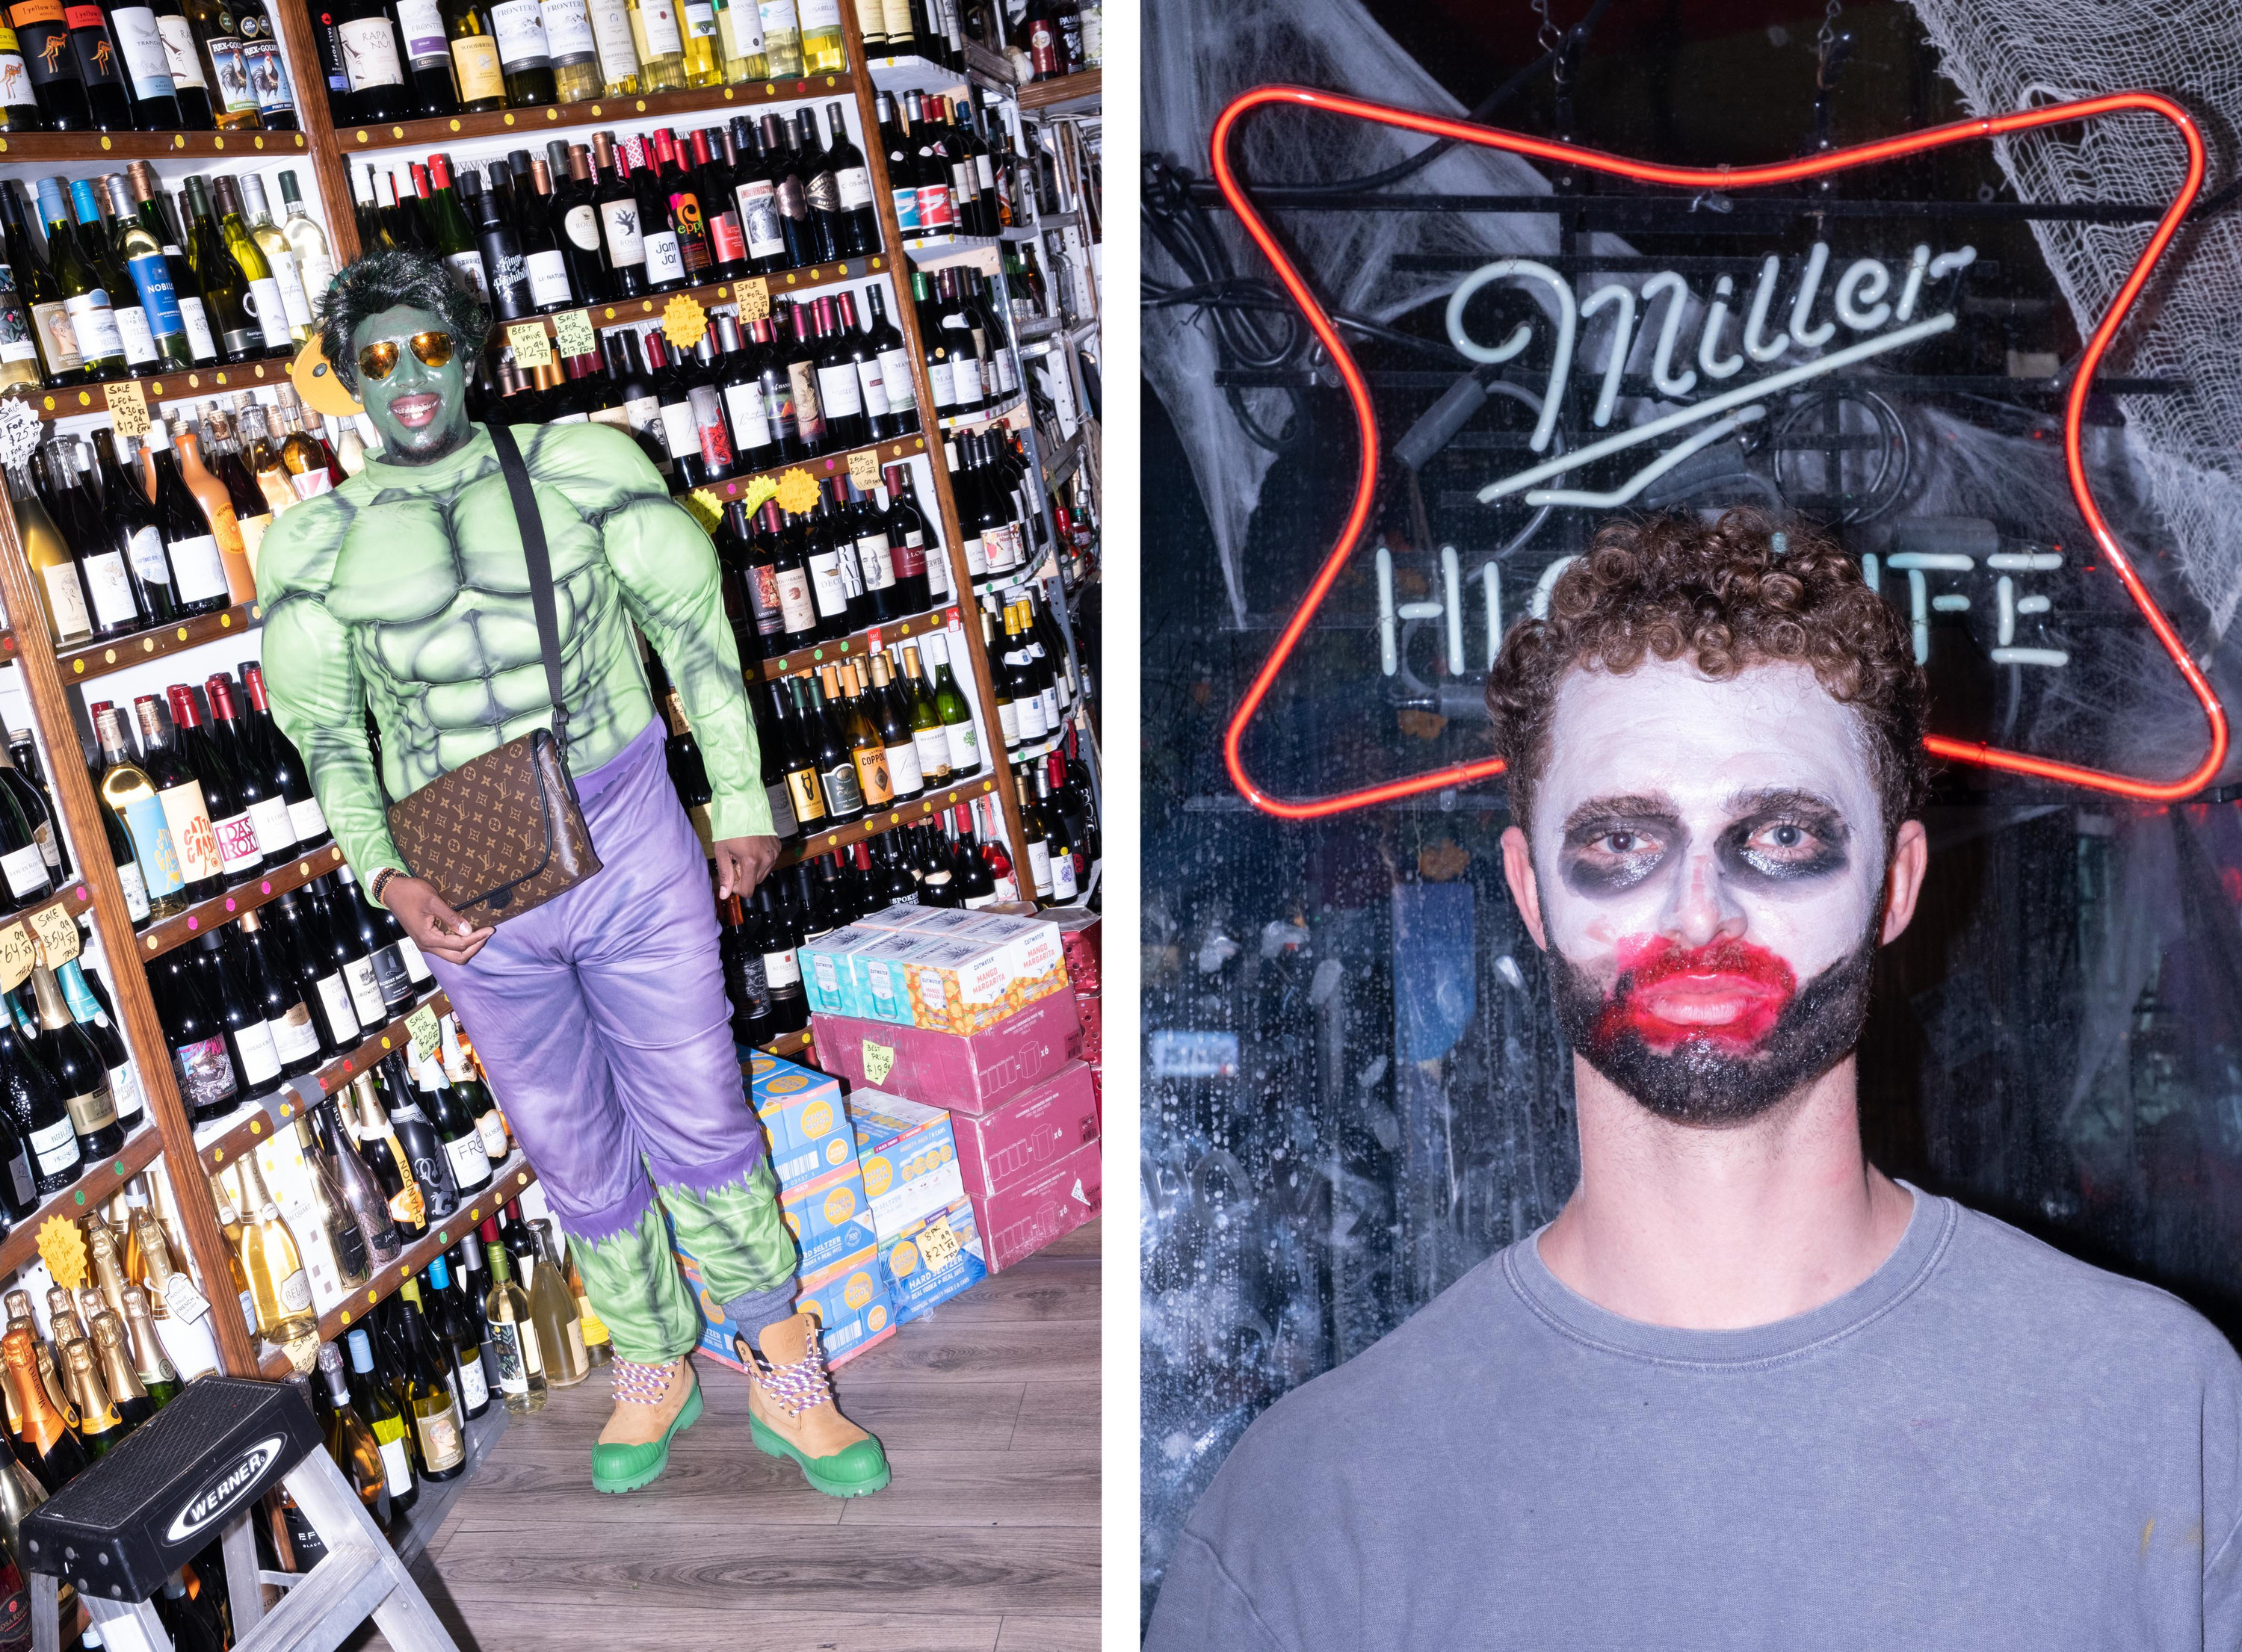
(986, 1542)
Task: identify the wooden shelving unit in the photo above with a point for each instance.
(859, 644)
(624, 313)
(825, 467)
(65, 148)
(790, 1045)
(91, 1190)
(78, 401)
(84, 662)
(160, 937)
(552, 118)
(872, 826)
(1066, 93)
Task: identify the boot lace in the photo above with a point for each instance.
(800, 1387)
(639, 1384)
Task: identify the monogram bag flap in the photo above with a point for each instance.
(503, 833)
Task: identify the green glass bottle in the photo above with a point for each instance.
(100, 346)
(224, 288)
(956, 723)
(264, 300)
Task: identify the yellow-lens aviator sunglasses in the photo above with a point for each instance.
(379, 360)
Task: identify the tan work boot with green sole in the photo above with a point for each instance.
(653, 1405)
(791, 1413)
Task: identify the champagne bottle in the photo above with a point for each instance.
(354, 1264)
(560, 1332)
(360, 1195)
(513, 1332)
(185, 1329)
(40, 1112)
(278, 1284)
(100, 1425)
(78, 1070)
(133, 1401)
(47, 1445)
(350, 1442)
(159, 1380)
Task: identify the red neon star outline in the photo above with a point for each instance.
(1720, 179)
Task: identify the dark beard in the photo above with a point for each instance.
(1697, 1084)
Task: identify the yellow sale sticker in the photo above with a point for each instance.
(938, 1245)
(684, 322)
(128, 409)
(531, 347)
(864, 470)
(420, 1027)
(17, 957)
(58, 934)
(879, 1062)
(572, 332)
(797, 492)
(753, 295)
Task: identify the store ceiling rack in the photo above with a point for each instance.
(248, 896)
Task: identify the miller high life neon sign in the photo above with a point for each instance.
(1866, 299)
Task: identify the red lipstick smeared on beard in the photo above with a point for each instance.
(1726, 996)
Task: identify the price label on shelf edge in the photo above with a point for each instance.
(128, 409)
(572, 332)
(531, 347)
(17, 954)
(753, 295)
(57, 935)
(864, 470)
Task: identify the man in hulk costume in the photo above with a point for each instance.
(601, 1015)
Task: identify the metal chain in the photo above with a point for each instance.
(1551, 38)
(1826, 37)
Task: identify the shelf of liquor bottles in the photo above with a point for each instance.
(77, 401)
(557, 117)
(91, 1191)
(826, 467)
(64, 148)
(90, 660)
(1065, 93)
(861, 644)
(627, 312)
(163, 935)
(260, 1122)
(507, 1181)
(879, 820)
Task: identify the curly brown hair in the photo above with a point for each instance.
(1727, 597)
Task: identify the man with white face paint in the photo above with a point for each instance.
(1745, 1390)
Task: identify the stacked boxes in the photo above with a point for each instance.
(1026, 1215)
(1026, 1131)
(962, 1073)
(823, 1198)
(928, 1250)
(940, 968)
(1080, 934)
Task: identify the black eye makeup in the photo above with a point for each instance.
(1785, 839)
(1606, 851)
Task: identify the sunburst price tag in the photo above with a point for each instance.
(531, 347)
(684, 322)
(572, 332)
(797, 491)
(57, 936)
(128, 409)
(61, 1247)
(708, 510)
(758, 491)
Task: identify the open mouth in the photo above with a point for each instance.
(1728, 993)
(415, 412)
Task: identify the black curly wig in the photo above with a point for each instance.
(384, 280)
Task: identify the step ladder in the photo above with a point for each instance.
(194, 1472)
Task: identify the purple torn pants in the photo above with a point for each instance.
(601, 1017)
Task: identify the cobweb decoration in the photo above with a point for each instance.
(2013, 54)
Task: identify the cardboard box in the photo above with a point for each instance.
(970, 1072)
(849, 1299)
(1039, 1126)
(804, 1117)
(955, 977)
(831, 1216)
(932, 1259)
(1081, 934)
(1022, 1218)
(909, 1154)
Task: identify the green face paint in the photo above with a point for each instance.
(420, 411)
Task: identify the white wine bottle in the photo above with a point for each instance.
(513, 1332)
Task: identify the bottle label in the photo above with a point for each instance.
(827, 584)
(895, 380)
(26, 873)
(95, 326)
(491, 1128)
(152, 279)
(726, 243)
(933, 746)
(842, 790)
(910, 555)
(141, 44)
(136, 892)
(520, 26)
(896, 23)
(740, 26)
(196, 562)
(294, 303)
(335, 1000)
(421, 22)
(906, 204)
(1039, 865)
(711, 439)
(55, 1147)
(548, 279)
(20, 1178)
(268, 79)
(750, 417)
(852, 187)
(156, 854)
(67, 597)
(139, 342)
(808, 412)
(964, 747)
(875, 567)
(370, 52)
(389, 976)
(476, 60)
(759, 220)
(873, 776)
(269, 310)
(625, 244)
(781, 808)
(397, 1465)
(145, 547)
(201, 342)
(1008, 721)
(782, 969)
(259, 1060)
(268, 817)
(659, 19)
(294, 1292)
(795, 604)
(231, 73)
(837, 392)
(940, 377)
(680, 432)
(611, 27)
(976, 561)
(470, 1159)
(442, 1444)
(569, 31)
(473, 1386)
(820, 14)
(965, 377)
(237, 844)
(191, 835)
(934, 213)
(700, 19)
(871, 379)
(663, 260)
(293, 1035)
(415, 965)
(470, 266)
(809, 802)
(205, 1073)
(364, 992)
(310, 825)
(904, 771)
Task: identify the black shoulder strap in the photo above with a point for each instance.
(540, 569)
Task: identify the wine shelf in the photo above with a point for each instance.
(789, 1044)
(913, 74)
(555, 117)
(264, 1118)
(825, 467)
(1069, 92)
(93, 1188)
(624, 313)
(27, 147)
(985, 416)
(934, 249)
(73, 900)
(160, 937)
(884, 820)
(89, 660)
(861, 644)
(72, 401)
(507, 1182)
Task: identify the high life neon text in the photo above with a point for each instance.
(1867, 298)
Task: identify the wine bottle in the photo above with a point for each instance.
(42, 1116)
(560, 1329)
(445, 1307)
(181, 795)
(521, 1380)
(129, 796)
(76, 1069)
(350, 1442)
(86, 301)
(361, 1195)
(207, 994)
(436, 1434)
(352, 953)
(958, 726)
(160, 1379)
(319, 973)
(423, 1154)
(371, 1401)
(281, 762)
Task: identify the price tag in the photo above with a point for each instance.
(420, 1027)
(938, 1245)
(572, 332)
(20, 429)
(128, 409)
(17, 957)
(684, 322)
(864, 470)
(796, 493)
(531, 347)
(879, 1062)
(753, 295)
(57, 935)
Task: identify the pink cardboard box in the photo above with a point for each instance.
(1038, 1127)
(1020, 1220)
(1081, 936)
(962, 1073)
